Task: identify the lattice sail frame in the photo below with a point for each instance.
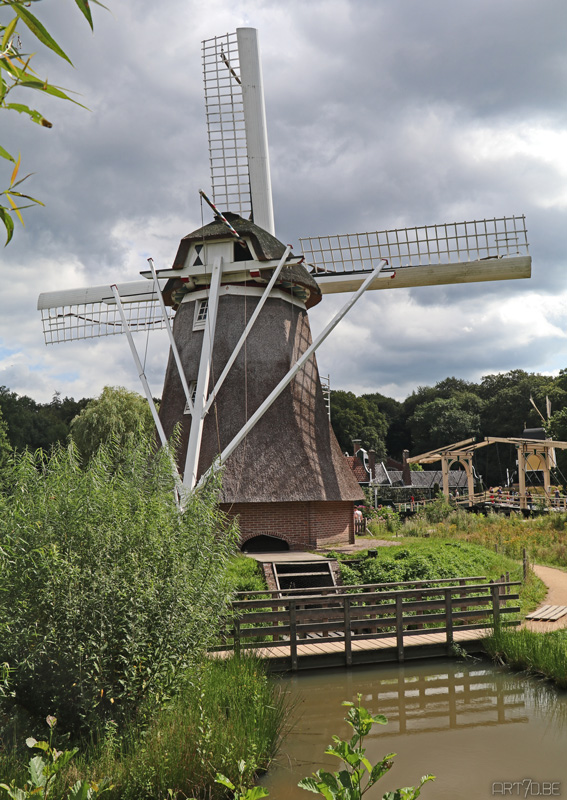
(454, 242)
(93, 313)
(224, 109)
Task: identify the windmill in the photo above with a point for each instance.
(242, 379)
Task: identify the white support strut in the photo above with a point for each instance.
(196, 432)
(255, 127)
(145, 385)
(248, 328)
(173, 346)
(288, 377)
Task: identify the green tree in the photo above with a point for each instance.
(117, 414)
(108, 594)
(354, 417)
(37, 425)
(444, 421)
(16, 72)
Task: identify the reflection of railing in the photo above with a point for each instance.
(365, 613)
(436, 702)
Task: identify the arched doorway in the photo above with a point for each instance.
(265, 544)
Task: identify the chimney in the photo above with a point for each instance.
(406, 472)
(356, 445)
(372, 463)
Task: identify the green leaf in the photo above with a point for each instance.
(10, 28)
(39, 31)
(84, 7)
(224, 781)
(79, 791)
(255, 793)
(6, 154)
(37, 771)
(42, 86)
(14, 792)
(34, 115)
(381, 768)
(8, 223)
(309, 784)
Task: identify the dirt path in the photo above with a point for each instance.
(556, 582)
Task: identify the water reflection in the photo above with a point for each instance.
(471, 724)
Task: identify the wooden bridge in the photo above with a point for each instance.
(347, 625)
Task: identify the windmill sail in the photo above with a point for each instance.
(458, 252)
(92, 312)
(236, 126)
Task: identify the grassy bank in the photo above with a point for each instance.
(543, 537)
(227, 711)
(418, 559)
(540, 653)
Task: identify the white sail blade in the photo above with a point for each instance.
(92, 312)
(458, 252)
(224, 108)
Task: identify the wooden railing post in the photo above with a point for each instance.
(236, 636)
(293, 635)
(525, 562)
(400, 627)
(495, 590)
(348, 640)
(449, 619)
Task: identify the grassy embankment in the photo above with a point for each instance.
(545, 540)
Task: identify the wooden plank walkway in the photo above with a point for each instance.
(315, 655)
(548, 613)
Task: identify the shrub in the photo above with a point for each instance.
(108, 593)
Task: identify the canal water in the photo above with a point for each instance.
(482, 730)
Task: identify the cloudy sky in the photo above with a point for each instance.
(381, 114)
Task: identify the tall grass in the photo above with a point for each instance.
(540, 653)
(228, 710)
(544, 537)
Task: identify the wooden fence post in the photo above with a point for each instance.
(449, 618)
(348, 640)
(236, 636)
(495, 590)
(400, 627)
(293, 635)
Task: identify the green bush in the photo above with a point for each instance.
(108, 593)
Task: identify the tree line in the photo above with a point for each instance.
(455, 409)
(431, 416)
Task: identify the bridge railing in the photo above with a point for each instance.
(297, 619)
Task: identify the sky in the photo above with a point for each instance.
(380, 114)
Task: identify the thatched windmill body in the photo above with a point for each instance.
(242, 380)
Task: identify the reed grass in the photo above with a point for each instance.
(539, 653)
(227, 711)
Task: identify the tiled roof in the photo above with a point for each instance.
(357, 467)
(426, 479)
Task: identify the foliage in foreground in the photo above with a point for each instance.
(351, 782)
(44, 769)
(226, 713)
(108, 593)
(17, 72)
(540, 653)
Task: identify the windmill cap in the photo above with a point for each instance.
(266, 247)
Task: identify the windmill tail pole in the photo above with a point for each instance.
(220, 215)
(299, 364)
